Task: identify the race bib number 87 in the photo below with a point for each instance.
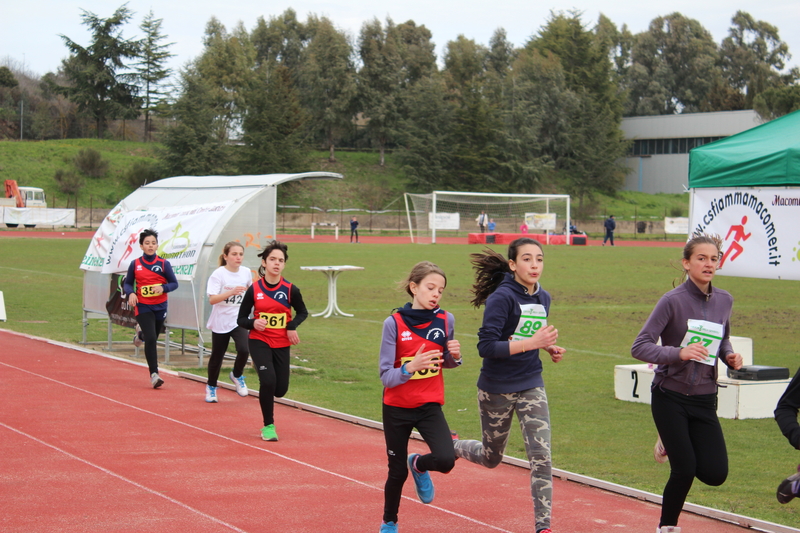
(533, 318)
(707, 333)
(274, 320)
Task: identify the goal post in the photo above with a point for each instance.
(446, 213)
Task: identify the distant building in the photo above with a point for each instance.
(659, 157)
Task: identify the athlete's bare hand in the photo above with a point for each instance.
(294, 338)
(132, 299)
(454, 347)
(694, 352)
(735, 360)
(556, 353)
(546, 336)
(260, 324)
(424, 360)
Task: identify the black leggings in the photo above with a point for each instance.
(272, 365)
(151, 324)
(398, 422)
(691, 434)
(219, 345)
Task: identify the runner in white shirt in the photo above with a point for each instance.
(225, 289)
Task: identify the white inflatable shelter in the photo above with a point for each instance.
(250, 218)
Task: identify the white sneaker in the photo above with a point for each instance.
(137, 339)
(241, 386)
(668, 529)
(660, 455)
(156, 380)
(211, 394)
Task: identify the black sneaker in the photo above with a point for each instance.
(789, 487)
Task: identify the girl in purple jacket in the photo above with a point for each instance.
(693, 323)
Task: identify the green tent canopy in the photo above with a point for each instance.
(764, 156)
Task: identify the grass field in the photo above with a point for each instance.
(601, 297)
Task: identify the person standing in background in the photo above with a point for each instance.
(492, 225)
(353, 229)
(481, 220)
(610, 224)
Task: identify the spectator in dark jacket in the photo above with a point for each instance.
(610, 224)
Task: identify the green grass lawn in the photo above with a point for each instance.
(601, 297)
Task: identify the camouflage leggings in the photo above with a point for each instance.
(497, 412)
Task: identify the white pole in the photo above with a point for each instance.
(408, 216)
(569, 222)
(433, 210)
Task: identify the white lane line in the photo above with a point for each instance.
(126, 480)
(224, 437)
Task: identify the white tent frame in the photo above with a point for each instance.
(250, 219)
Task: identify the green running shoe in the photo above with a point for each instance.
(268, 433)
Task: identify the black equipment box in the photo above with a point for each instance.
(759, 373)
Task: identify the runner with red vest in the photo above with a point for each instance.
(417, 344)
(147, 283)
(272, 329)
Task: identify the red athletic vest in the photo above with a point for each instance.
(146, 275)
(276, 307)
(424, 386)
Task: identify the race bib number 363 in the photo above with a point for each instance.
(274, 320)
(533, 318)
(425, 372)
(707, 333)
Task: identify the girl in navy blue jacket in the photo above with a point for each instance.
(147, 283)
(514, 330)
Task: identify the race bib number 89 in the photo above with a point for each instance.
(533, 318)
(274, 320)
(425, 372)
(707, 333)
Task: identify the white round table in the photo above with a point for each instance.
(332, 272)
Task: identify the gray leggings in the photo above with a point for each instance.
(497, 411)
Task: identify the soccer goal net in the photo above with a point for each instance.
(456, 214)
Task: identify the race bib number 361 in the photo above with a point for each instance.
(274, 320)
(707, 333)
(533, 318)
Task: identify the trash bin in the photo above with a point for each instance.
(641, 227)
(490, 239)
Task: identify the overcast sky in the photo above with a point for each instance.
(31, 28)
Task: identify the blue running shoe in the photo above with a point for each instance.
(388, 527)
(422, 481)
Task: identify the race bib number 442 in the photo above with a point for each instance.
(707, 333)
(533, 318)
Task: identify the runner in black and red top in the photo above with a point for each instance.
(417, 343)
(147, 283)
(272, 329)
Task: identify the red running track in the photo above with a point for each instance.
(88, 446)
(328, 239)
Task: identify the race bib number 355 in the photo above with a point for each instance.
(707, 333)
(425, 372)
(148, 290)
(533, 318)
(274, 320)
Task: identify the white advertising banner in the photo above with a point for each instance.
(545, 221)
(676, 225)
(40, 216)
(182, 231)
(444, 221)
(759, 227)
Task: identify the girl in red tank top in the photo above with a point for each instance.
(272, 329)
(417, 344)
